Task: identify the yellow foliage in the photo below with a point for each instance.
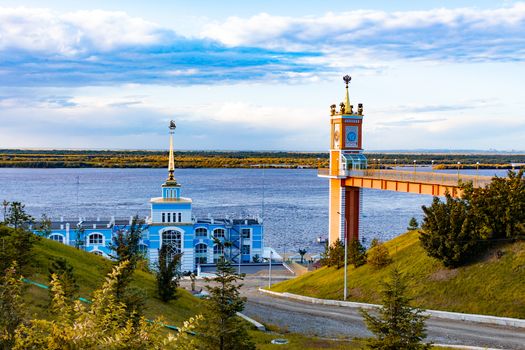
(103, 325)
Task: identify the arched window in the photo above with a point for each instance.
(219, 233)
(172, 239)
(218, 252)
(57, 237)
(201, 232)
(218, 249)
(201, 253)
(96, 238)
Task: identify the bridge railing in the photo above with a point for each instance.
(411, 176)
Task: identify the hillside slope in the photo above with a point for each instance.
(491, 286)
(89, 271)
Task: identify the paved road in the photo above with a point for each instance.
(337, 322)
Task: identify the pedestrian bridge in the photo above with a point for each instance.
(431, 183)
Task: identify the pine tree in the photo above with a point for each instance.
(125, 245)
(356, 253)
(167, 274)
(500, 206)
(378, 256)
(450, 231)
(397, 326)
(43, 228)
(16, 215)
(337, 254)
(413, 224)
(64, 271)
(222, 329)
(16, 244)
(79, 236)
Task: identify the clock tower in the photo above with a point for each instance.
(346, 155)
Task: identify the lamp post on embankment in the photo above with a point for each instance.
(346, 256)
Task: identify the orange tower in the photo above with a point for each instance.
(346, 156)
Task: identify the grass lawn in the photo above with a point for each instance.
(491, 285)
(89, 271)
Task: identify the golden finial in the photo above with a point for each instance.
(171, 162)
(348, 108)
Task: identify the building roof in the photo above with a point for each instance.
(109, 223)
(170, 200)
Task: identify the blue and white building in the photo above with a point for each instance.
(171, 223)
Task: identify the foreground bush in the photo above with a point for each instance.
(105, 324)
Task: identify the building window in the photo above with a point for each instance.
(201, 248)
(218, 252)
(219, 233)
(245, 232)
(245, 249)
(163, 217)
(201, 253)
(97, 252)
(172, 239)
(201, 260)
(201, 232)
(169, 217)
(58, 238)
(96, 238)
(218, 249)
(180, 217)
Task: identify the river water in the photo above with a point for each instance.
(293, 202)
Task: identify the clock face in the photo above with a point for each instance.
(351, 136)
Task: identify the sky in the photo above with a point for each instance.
(261, 75)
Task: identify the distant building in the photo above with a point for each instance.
(171, 223)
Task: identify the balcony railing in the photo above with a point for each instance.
(411, 176)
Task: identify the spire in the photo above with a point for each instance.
(348, 109)
(171, 163)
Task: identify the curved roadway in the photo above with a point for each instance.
(337, 322)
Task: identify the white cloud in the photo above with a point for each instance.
(73, 33)
(455, 34)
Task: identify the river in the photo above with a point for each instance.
(293, 202)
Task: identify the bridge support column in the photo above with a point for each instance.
(343, 210)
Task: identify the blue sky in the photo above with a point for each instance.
(245, 75)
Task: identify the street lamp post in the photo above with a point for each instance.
(395, 163)
(414, 166)
(432, 165)
(240, 252)
(459, 163)
(346, 256)
(270, 271)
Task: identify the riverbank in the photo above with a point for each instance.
(239, 159)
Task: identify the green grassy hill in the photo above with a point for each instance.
(89, 271)
(491, 286)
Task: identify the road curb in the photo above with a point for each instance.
(257, 325)
(501, 321)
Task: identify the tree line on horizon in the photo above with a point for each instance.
(237, 159)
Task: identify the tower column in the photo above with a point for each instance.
(346, 155)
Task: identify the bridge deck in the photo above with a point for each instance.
(436, 184)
